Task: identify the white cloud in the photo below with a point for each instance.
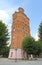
(36, 36)
(4, 16)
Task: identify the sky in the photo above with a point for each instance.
(32, 8)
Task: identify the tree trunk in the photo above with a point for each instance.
(27, 56)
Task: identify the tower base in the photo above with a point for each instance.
(16, 54)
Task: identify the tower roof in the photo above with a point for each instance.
(21, 9)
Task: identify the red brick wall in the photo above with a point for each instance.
(20, 29)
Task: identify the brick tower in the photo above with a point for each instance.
(20, 29)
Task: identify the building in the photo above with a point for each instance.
(20, 29)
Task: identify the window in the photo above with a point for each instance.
(23, 23)
(11, 54)
(14, 22)
(22, 30)
(14, 30)
(13, 37)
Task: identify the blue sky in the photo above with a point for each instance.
(33, 10)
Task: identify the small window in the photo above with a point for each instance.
(11, 54)
(22, 30)
(13, 37)
(14, 30)
(28, 25)
(14, 22)
(22, 22)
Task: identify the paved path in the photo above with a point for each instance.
(5, 61)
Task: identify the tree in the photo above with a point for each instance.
(4, 36)
(29, 46)
(39, 47)
(40, 31)
(40, 37)
(5, 51)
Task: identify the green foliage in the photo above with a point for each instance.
(4, 36)
(39, 47)
(30, 46)
(5, 51)
(40, 31)
(40, 39)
